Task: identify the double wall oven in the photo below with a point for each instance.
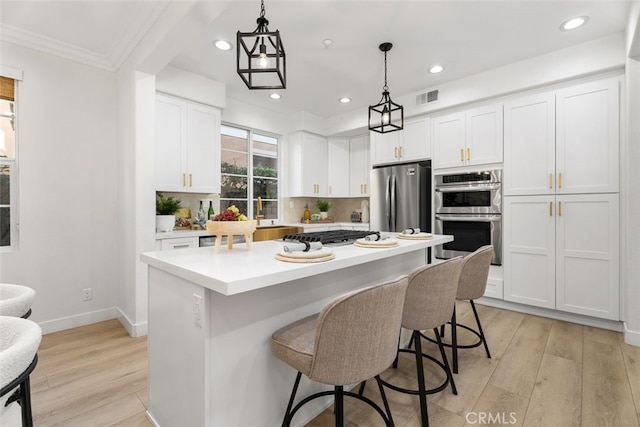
(469, 207)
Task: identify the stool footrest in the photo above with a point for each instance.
(434, 390)
(448, 344)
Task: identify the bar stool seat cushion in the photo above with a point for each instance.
(15, 300)
(19, 342)
(295, 343)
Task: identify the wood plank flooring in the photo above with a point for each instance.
(542, 372)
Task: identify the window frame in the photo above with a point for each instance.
(251, 202)
(12, 163)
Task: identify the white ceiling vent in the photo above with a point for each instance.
(425, 98)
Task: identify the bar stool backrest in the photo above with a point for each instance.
(357, 334)
(431, 295)
(475, 271)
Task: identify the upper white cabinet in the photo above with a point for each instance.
(529, 145)
(410, 143)
(471, 137)
(187, 146)
(563, 252)
(587, 138)
(338, 167)
(359, 166)
(563, 142)
(307, 158)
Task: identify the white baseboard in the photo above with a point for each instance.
(553, 314)
(83, 319)
(134, 329)
(631, 337)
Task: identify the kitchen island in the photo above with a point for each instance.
(211, 317)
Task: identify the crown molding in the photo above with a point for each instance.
(40, 43)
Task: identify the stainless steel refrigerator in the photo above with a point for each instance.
(401, 197)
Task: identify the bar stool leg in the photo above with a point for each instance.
(421, 383)
(484, 341)
(454, 340)
(286, 421)
(338, 407)
(384, 400)
(454, 390)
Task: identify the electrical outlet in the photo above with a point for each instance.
(87, 294)
(197, 309)
(290, 204)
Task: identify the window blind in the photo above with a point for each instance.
(7, 88)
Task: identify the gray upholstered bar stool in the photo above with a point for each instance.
(352, 339)
(428, 304)
(472, 285)
(16, 300)
(19, 342)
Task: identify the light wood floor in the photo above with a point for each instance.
(543, 373)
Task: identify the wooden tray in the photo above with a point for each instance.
(229, 229)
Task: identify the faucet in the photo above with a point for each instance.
(259, 210)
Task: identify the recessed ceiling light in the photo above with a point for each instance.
(327, 42)
(436, 69)
(345, 100)
(574, 23)
(222, 44)
(275, 96)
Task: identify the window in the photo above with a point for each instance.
(249, 168)
(8, 175)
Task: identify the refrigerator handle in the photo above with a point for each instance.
(392, 226)
(387, 201)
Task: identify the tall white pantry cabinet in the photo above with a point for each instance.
(561, 205)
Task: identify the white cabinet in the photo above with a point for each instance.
(307, 158)
(563, 252)
(359, 166)
(587, 138)
(177, 243)
(338, 167)
(529, 145)
(187, 151)
(466, 138)
(563, 142)
(411, 143)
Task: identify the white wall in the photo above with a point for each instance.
(67, 179)
(593, 57)
(630, 181)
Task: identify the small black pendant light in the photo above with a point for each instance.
(386, 116)
(260, 56)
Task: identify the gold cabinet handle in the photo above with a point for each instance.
(365, 189)
(560, 180)
(190, 180)
(550, 180)
(395, 152)
(184, 179)
(468, 154)
(550, 208)
(461, 155)
(400, 152)
(329, 189)
(559, 208)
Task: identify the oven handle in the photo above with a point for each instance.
(461, 188)
(460, 218)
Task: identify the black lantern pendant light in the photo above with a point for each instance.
(260, 57)
(386, 116)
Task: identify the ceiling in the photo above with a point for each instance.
(466, 37)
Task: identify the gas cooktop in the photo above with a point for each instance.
(330, 238)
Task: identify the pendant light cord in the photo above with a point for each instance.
(385, 87)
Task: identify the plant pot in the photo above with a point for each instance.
(324, 215)
(165, 223)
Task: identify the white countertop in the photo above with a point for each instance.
(240, 270)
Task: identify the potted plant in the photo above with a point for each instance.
(323, 206)
(166, 208)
